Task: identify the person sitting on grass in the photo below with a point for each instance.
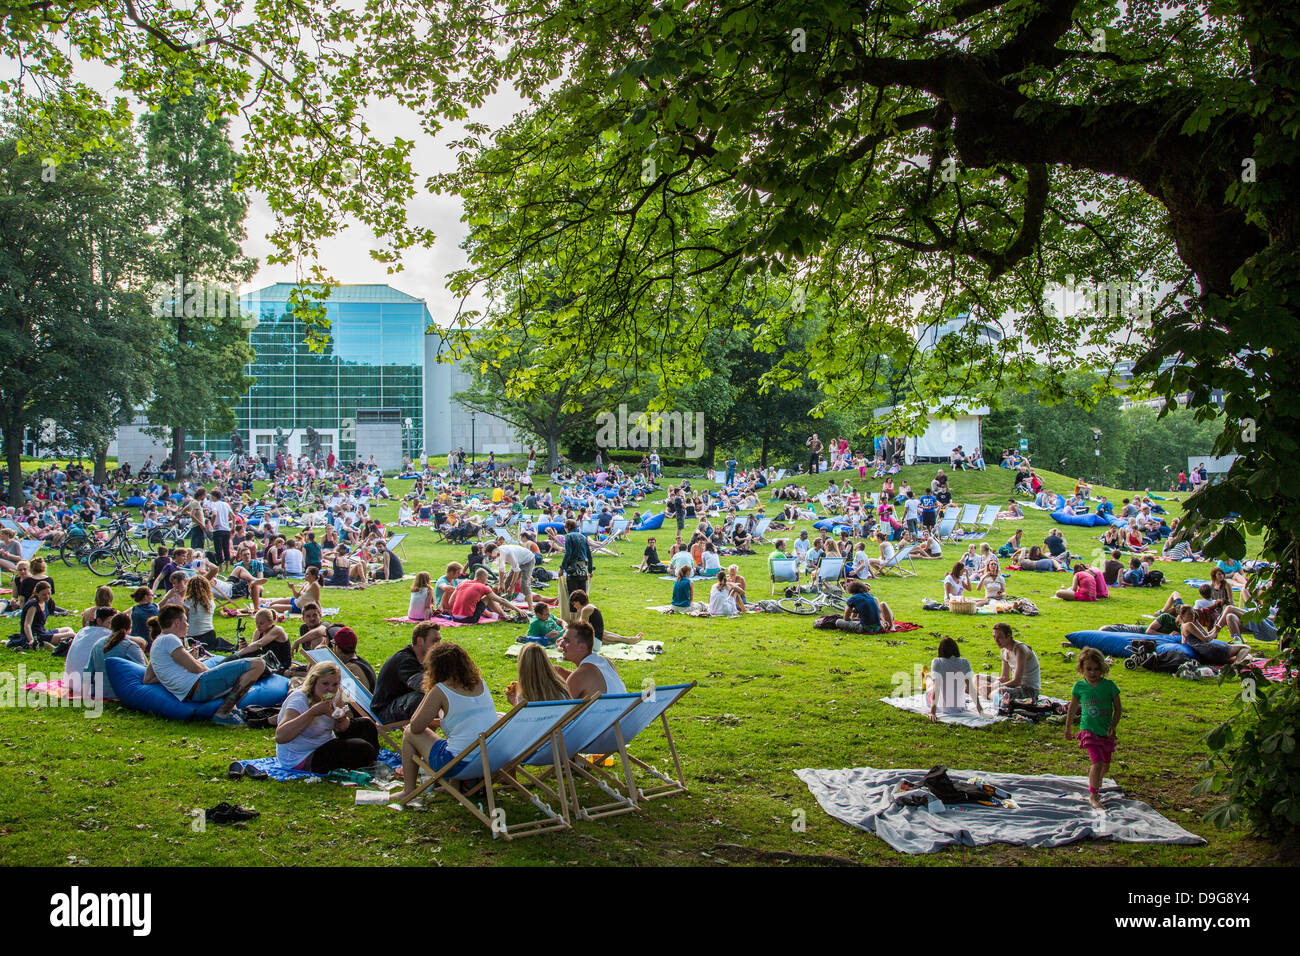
(399, 686)
(952, 682)
(199, 605)
(1199, 640)
(864, 614)
(103, 599)
(453, 688)
(544, 628)
(317, 732)
(171, 665)
(118, 644)
(650, 563)
(991, 583)
(1020, 678)
(956, 583)
(736, 581)
(309, 590)
(683, 590)
(1135, 576)
(475, 597)
(445, 588)
(1084, 586)
(269, 639)
(420, 606)
(722, 602)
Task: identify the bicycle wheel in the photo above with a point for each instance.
(74, 550)
(104, 562)
(797, 605)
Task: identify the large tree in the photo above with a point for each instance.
(205, 349)
(76, 336)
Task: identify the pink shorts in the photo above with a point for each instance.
(1100, 749)
(1084, 596)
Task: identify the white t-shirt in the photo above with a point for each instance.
(318, 733)
(721, 602)
(220, 512)
(199, 616)
(416, 609)
(859, 561)
(994, 587)
(175, 677)
(515, 555)
(952, 587)
(711, 561)
(950, 689)
(293, 559)
(78, 659)
(912, 509)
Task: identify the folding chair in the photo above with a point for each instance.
(989, 516)
(653, 706)
(779, 475)
(361, 698)
(895, 563)
(595, 719)
(782, 571)
(830, 571)
(13, 526)
(620, 528)
(589, 527)
(760, 529)
(30, 546)
(497, 757)
(948, 522)
(398, 541)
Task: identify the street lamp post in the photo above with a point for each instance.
(472, 420)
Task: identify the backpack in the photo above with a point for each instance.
(542, 575)
(1154, 579)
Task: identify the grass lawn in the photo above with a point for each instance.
(774, 695)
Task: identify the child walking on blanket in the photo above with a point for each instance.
(1096, 699)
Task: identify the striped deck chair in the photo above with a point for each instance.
(496, 761)
(948, 522)
(829, 571)
(590, 527)
(760, 529)
(398, 541)
(619, 529)
(895, 564)
(782, 571)
(653, 705)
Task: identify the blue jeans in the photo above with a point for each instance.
(217, 682)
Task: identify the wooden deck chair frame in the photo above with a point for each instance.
(398, 541)
(360, 697)
(896, 563)
(592, 771)
(822, 578)
(443, 780)
(760, 529)
(608, 709)
(772, 575)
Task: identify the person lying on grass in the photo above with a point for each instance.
(453, 688)
(864, 614)
(952, 682)
(317, 732)
(1020, 677)
(1034, 559)
(171, 665)
(472, 599)
(583, 610)
(308, 591)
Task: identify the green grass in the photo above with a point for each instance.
(774, 695)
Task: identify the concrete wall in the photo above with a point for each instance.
(382, 441)
(135, 446)
(447, 424)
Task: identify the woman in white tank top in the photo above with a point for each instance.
(455, 687)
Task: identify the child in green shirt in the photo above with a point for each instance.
(543, 625)
(1096, 700)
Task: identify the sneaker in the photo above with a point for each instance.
(232, 719)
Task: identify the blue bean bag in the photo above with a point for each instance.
(177, 496)
(610, 492)
(407, 477)
(135, 501)
(651, 522)
(1079, 521)
(825, 524)
(127, 678)
(1119, 643)
(557, 526)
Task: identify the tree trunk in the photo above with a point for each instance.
(552, 451)
(14, 459)
(178, 450)
(762, 457)
(101, 465)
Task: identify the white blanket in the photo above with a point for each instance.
(916, 704)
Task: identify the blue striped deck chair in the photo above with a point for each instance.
(895, 564)
(948, 521)
(619, 529)
(829, 571)
(984, 522)
(495, 760)
(654, 704)
(12, 525)
(989, 516)
(359, 696)
(596, 718)
(780, 473)
(760, 529)
(783, 571)
(589, 527)
(30, 546)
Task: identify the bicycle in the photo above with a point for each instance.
(76, 547)
(118, 553)
(824, 600)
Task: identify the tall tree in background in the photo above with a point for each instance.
(205, 350)
(75, 331)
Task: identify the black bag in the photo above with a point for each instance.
(1154, 579)
(542, 576)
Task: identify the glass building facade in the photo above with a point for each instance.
(370, 371)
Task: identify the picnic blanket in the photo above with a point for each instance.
(698, 577)
(643, 651)
(286, 774)
(1197, 582)
(1046, 811)
(970, 717)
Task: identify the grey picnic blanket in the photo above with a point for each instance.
(1047, 811)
